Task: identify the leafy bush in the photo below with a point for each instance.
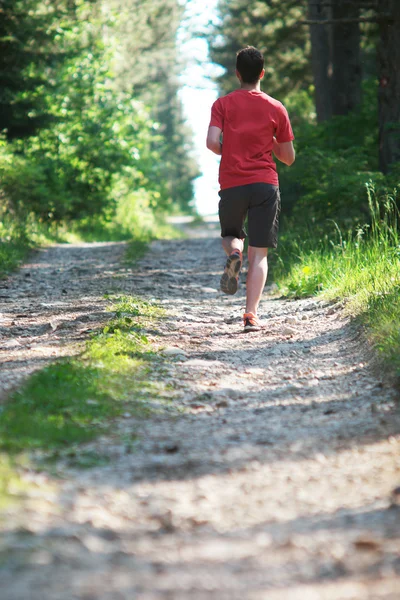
(335, 160)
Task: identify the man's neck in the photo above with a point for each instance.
(251, 86)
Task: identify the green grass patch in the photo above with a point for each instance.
(12, 487)
(362, 268)
(75, 400)
(12, 253)
(136, 249)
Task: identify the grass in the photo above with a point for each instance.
(73, 401)
(12, 253)
(363, 270)
(17, 240)
(12, 486)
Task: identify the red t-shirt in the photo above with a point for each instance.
(249, 119)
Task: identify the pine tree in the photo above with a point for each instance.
(270, 26)
(389, 83)
(143, 34)
(23, 37)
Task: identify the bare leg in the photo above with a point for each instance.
(256, 277)
(230, 244)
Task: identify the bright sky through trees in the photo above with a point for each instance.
(198, 93)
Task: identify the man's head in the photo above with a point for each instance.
(250, 64)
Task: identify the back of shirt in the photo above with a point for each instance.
(249, 120)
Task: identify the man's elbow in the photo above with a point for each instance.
(290, 160)
(214, 146)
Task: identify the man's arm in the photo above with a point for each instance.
(214, 140)
(284, 152)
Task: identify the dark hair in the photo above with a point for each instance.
(249, 63)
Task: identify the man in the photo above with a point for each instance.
(252, 126)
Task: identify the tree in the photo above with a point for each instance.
(321, 59)
(389, 83)
(345, 20)
(346, 57)
(336, 55)
(23, 37)
(270, 26)
(143, 34)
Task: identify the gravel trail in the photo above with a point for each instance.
(271, 477)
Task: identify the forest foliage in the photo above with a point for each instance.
(90, 119)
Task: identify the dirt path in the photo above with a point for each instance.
(274, 482)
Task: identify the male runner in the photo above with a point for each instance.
(253, 126)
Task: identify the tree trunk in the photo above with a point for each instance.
(321, 60)
(389, 85)
(346, 80)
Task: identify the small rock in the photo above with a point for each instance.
(197, 522)
(367, 543)
(53, 325)
(173, 351)
(312, 382)
(264, 442)
(230, 320)
(205, 397)
(11, 344)
(234, 394)
(208, 290)
(395, 496)
(288, 331)
(223, 403)
(291, 320)
(296, 446)
(171, 448)
(108, 534)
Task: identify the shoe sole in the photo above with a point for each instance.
(251, 328)
(229, 281)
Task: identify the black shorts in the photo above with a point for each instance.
(261, 203)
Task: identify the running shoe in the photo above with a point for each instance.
(230, 277)
(251, 322)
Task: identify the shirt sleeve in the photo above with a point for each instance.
(284, 132)
(217, 115)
